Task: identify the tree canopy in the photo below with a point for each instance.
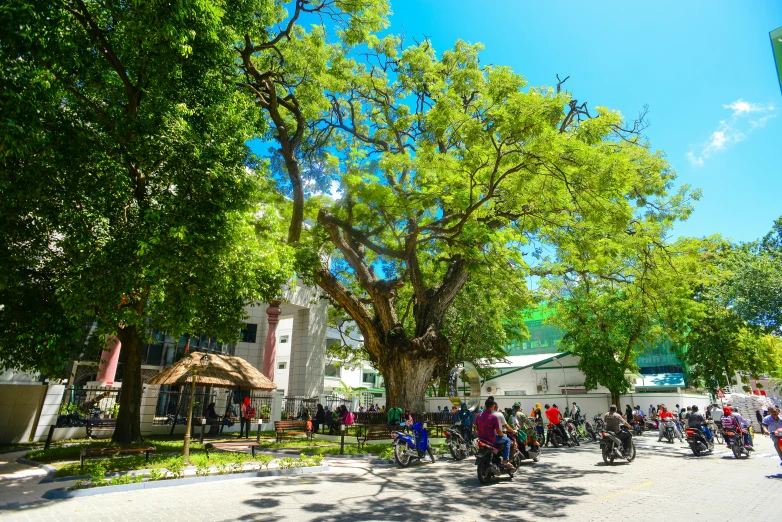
(130, 196)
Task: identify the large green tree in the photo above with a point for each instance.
(129, 194)
(625, 305)
(446, 168)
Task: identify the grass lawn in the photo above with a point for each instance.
(65, 458)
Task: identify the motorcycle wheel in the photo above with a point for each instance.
(608, 455)
(536, 457)
(484, 470)
(430, 454)
(669, 437)
(695, 451)
(555, 441)
(594, 436)
(456, 454)
(574, 438)
(736, 451)
(401, 456)
(632, 452)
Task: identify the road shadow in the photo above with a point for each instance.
(433, 492)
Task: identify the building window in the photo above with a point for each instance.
(284, 339)
(333, 370)
(368, 377)
(282, 366)
(248, 334)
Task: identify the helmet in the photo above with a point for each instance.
(517, 405)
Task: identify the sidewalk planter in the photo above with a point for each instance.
(165, 483)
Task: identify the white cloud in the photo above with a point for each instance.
(731, 131)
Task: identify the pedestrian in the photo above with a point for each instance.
(774, 422)
(652, 412)
(759, 417)
(320, 417)
(628, 413)
(247, 415)
(394, 416)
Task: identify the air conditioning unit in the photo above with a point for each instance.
(540, 388)
(543, 386)
(490, 389)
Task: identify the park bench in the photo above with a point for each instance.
(283, 429)
(375, 432)
(231, 445)
(99, 425)
(102, 452)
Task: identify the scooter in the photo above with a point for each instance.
(612, 448)
(669, 430)
(572, 432)
(489, 461)
(734, 439)
(410, 447)
(698, 442)
(553, 435)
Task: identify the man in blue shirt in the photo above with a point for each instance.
(774, 422)
(467, 419)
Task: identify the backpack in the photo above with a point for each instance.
(349, 419)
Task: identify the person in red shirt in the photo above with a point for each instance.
(554, 417)
(664, 414)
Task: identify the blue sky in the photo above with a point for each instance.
(704, 68)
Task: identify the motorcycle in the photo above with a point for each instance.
(553, 435)
(590, 430)
(572, 432)
(410, 447)
(638, 428)
(698, 442)
(734, 439)
(459, 447)
(652, 425)
(669, 430)
(612, 448)
(489, 461)
(599, 424)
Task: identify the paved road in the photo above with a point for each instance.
(569, 484)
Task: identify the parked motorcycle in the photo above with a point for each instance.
(553, 435)
(599, 424)
(652, 425)
(735, 440)
(698, 442)
(459, 447)
(590, 431)
(572, 431)
(611, 447)
(669, 430)
(409, 447)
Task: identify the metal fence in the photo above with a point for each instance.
(296, 407)
(263, 406)
(90, 402)
(333, 402)
(172, 405)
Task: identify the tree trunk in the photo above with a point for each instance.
(615, 400)
(129, 418)
(406, 378)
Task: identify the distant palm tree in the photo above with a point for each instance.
(347, 392)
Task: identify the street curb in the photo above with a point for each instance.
(89, 492)
(15, 450)
(50, 470)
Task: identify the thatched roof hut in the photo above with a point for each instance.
(223, 371)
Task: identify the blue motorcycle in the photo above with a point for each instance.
(409, 447)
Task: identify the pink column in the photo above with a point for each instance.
(270, 351)
(107, 368)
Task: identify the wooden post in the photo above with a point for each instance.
(186, 448)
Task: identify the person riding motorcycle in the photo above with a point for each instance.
(490, 423)
(555, 419)
(697, 421)
(466, 417)
(613, 421)
(733, 419)
(525, 428)
(664, 415)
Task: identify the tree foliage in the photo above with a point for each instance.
(129, 193)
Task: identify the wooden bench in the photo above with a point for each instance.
(286, 428)
(99, 425)
(230, 445)
(102, 452)
(376, 432)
